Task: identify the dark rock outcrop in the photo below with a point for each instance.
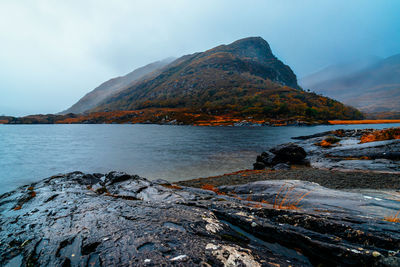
(119, 219)
(349, 153)
(259, 165)
(288, 153)
(335, 150)
(280, 157)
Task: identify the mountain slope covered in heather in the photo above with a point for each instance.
(115, 85)
(243, 77)
(374, 88)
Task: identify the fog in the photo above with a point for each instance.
(54, 52)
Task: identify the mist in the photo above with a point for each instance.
(54, 52)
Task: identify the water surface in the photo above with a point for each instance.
(32, 152)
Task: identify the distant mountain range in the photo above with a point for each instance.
(372, 84)
(243, 78)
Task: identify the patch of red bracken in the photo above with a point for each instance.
(211, 187)
(394, 218)
(324, 143)
(381, 135)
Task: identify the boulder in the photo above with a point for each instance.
(288, 153)
(281, 166)
(258, 166)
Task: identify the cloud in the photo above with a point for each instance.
(53, 52)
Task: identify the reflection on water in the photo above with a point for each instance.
(32, 152)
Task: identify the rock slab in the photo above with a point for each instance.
(118, 219)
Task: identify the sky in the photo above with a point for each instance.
(54, 52)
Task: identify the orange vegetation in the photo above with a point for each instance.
(210, 187)
(328, 142)
(286, 199)
(381, 135)
(256, 204)
(159, 115)
(172, 186)
(325, 143)
(363, 121)
(165, 115)
(394, 218)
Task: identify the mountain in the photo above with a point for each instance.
(243, 77)
(372, 88)
(115, 85)
(338, 70)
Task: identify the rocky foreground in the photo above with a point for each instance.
(118, 219)
(364, 150)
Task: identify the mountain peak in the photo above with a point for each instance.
(257, 40)
(255, 48)
(242, 78)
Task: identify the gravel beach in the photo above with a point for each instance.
(328, 178)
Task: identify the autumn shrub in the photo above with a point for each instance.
(381, 135)
(394, 218)
(329, 141)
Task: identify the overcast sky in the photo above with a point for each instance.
(53, 52)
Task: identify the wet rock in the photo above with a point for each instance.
(281, 157)
(266, 158)
(247, 123)
(288, 153)
(258, 166)
(305, 137)
(349, 154)
(281, 166)
(135, 222)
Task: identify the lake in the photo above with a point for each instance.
(31, 152)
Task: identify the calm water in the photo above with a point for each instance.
(32, 152)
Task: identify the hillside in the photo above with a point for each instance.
(338, 70)
(372, 89)
(115, 85)
(243, 77)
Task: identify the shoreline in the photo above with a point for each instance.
(339, 159)
(293, 214)
(240, 124)
(181, 116)
(366, 121)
